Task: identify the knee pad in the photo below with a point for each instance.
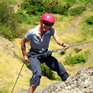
(35, 80)
(64, 76)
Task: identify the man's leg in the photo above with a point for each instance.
(64, 76)
(32, 89)
(53, 64)
(36, 70)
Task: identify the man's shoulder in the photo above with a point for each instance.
(52, 30)
(33, 30)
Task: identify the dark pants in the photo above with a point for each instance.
(51, 62)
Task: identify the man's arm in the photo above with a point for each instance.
(60, 42)
(23, 48)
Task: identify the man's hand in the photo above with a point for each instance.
(26, 58)
(65, 46)
(61, 43)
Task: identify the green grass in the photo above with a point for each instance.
(12, 2)
(3, 90)
(77, 11)
(89, 20)
(62, 23)
(6, 32)
(86, 26)
(29, 19)
(83, 2)
(91, 9)
(80, 58)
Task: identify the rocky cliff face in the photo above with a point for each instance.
(82, 82)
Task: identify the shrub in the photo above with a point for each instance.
(12, 2)
(87, 27)
(46, 71)
(52, 6)
(76, 59)
(6, 32)
(8, 21)
(5, 12)
(7, 15)
(76, 11)
(90, 20)
(22, 16)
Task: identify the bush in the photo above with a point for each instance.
(22, 16)
(8, 21)
(46, 71)
(87, 26)
(7, 15)
(29, 19)
(76, 11)
(6, 32)
(37, 7)
(76, 59)
(52, 6)
(90, 20)
(12, 2)
(5, 12)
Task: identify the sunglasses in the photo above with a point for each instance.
(47, 23)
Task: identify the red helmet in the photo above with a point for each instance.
(47, 19)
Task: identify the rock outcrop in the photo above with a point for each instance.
(82, 82)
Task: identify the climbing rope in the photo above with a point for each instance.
(73, 45)
(17, 78)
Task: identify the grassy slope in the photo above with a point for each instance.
(66, 32)
(10, 66)
(62, 25)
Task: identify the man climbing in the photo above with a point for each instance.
(40, 37)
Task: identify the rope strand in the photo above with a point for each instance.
(17, 78)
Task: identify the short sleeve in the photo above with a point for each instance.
(53, 31)
(29, 34)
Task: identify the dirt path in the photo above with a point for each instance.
(74, 24)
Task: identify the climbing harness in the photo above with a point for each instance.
(47, 54)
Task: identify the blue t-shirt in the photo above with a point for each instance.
(36, 41)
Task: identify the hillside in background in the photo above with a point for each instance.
(74, 24)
